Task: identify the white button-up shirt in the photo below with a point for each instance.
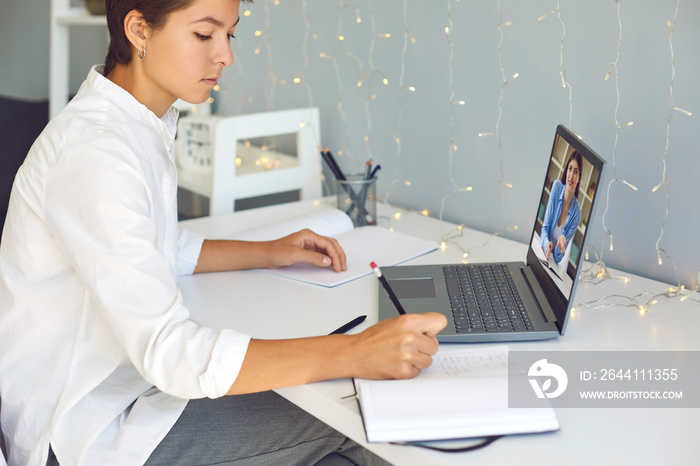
(98, 355)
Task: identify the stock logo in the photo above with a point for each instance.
(547, 372)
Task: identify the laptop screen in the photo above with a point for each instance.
(563, 217)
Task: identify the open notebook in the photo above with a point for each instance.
(463, 394)
(361, 245)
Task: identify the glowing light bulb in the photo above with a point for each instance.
(612, 65)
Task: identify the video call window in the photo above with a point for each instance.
(562, 265)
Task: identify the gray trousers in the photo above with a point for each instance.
(258, 429)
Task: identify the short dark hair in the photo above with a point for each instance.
(575, 155)
(155, 13)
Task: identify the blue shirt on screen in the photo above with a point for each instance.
(551, 216)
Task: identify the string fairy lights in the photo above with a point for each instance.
(374, 71)
(674, 109)
(562, 72)
(599, 272)
(497, 132)
(361, 70)
(452, 236)
(407, 37)
(619, 128)
(308, 34)
(342, 52)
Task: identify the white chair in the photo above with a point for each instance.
(225, 182)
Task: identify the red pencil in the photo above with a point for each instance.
(388, 289)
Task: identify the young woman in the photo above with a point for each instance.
(563, 211)
(99, 361)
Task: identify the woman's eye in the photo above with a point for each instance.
(230, 36)
(202, 36)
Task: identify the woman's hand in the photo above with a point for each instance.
(302, 246)
(307, 246)
(561, 243)
(548, 250)
(396, 348)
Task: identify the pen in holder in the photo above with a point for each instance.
(357, 198)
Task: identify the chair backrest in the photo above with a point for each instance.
(305, 176)
(3, 449)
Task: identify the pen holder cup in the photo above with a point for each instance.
(357, 197)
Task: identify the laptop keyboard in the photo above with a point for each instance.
(484, 299)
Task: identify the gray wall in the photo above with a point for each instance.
(468, 66)
(531, 106)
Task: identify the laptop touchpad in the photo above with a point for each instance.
(421, 287)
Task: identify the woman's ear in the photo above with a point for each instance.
(136, 30)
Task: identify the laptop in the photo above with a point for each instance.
(513, 301)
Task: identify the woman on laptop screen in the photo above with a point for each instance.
(563, 211)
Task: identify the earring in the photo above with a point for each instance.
(144, 53)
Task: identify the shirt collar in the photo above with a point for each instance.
(167, 125)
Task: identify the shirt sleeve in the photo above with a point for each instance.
(103, 214)
(550, 215)
(189, 246)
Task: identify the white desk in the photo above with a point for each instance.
(271, 307)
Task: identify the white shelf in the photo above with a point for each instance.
(248, 163)
(63, 18)
(79, 16)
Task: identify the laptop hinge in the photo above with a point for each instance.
(540, 297)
